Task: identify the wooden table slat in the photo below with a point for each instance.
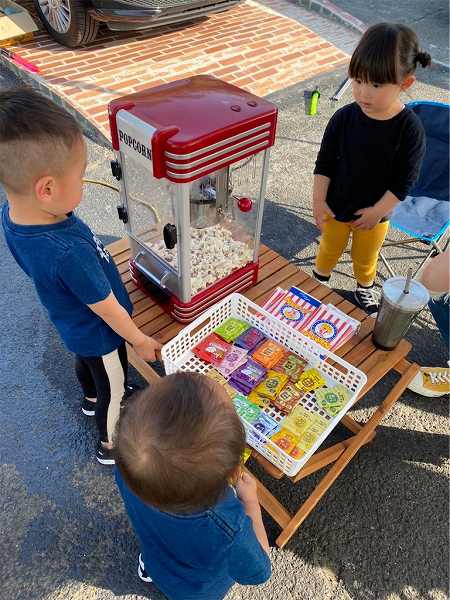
(116, 248)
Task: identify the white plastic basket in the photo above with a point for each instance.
(177, 356)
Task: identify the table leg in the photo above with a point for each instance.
(358, 440)
(141, 366)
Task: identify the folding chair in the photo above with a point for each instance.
(424, 214)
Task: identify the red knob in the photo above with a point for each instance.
(245, 204)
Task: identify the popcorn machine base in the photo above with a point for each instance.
(185, 312)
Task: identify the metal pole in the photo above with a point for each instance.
(182, 208)
(341, 90)
(261, 199)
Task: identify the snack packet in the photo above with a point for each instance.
(307, 440)
(287, 399)
(310, 380)
(246, 454)
(247, 376)
(319, 424)
(298, 421)
(297, 453)
(211, 349)
(292, 366)
(231, 329)
(245, 409)
(213, 374)
(234, 358)
(272, 385)
(265, 424)
(333, 399)
(251, 338)
(268, 353)
(286, 440)
(259, 400)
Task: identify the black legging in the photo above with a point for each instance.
(103, 378)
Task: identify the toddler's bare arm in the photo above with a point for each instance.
(118, 319)
(246, 491)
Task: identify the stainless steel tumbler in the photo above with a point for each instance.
(401, 302)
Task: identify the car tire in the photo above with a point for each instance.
(68, 21)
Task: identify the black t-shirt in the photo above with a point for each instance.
(365, 157)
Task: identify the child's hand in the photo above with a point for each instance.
(321, 213)
(146, 348)
(246, 488)
(369, 217)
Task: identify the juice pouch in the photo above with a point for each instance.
(298, 421)
(292, 366)
(310, 380)
(245, 409)
(231, 329)
(211, 349)
(333, 399)
(268, 353)
(272, 385)
(250, 339)
(234, 358)
(287, 399)
(286, 440)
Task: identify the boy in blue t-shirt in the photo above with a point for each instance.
(42, 163)
(178, 446)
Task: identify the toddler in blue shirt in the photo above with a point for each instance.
(42, 163)
(195, 512)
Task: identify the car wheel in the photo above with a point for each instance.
(68, 21)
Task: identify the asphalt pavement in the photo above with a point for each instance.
(430, 20)
(380, 533)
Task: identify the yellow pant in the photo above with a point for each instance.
(366, 246)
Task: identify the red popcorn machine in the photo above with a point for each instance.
(192, 160)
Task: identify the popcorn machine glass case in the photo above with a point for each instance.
(192, 159)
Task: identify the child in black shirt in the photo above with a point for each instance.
(370, 156)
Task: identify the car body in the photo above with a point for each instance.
(75, 22)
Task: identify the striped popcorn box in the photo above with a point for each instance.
(330, 327)
(294, 308)
(277, 295)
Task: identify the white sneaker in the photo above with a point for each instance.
(431, 381)
(143, 575)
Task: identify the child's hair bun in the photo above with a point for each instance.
(423, 58)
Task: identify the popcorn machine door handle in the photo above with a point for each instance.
(159, 282)
(170, 235)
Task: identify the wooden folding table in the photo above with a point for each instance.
(359, 351)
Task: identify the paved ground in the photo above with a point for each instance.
(380, 533)
(253, 45)
(429, 19)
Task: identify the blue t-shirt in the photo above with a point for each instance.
(197, 556)
(70, 268)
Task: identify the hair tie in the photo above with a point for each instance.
(423, 58)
